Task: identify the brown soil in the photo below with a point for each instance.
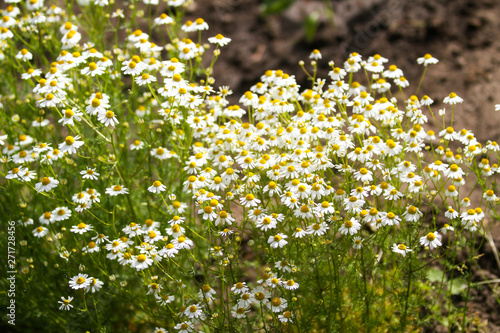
(462, 34)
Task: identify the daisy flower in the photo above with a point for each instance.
(31, 73)
(157, 187)
(81, 228)
(80, 281)
(65, 303)
(89, 174)
(69, 117)
(47, 184)
(277, 241)
(299, 233)
(249, 201)
(194, 311)
(142, 261)
(286, 317)
(164, 19)
(186, 326)
(277, 304)
(116, 189)
(401, 249)
(136, 145)
(446, 228)
(159, 330)
(144, 79)
(94, 285)
(93, 70)
(291, 285)
(240, 311)
(61, 214)
(70, 144)
(427, 60)
(432, 240)
(317, 229)
(350, 227)
(219, 40)
(108, 118)
(452, 99)
(24, 55)
(40, 232)
(91, 248)
(363, 175)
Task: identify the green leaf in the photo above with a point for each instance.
(270, 7)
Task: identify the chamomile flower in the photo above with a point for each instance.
(164, 19)
(400, 249)
(431, 240)
(278, 240)
(46, 184)
(277, 304)
(94, 286)
(141, 261)
(93, 70)
(427, 60)
(194, 311)
(71, 144)
(351, 227)
(144, 79)
(220, 40)
(108, 118)
(40, 231)
(65, 303)
(136, 145)
(81, 228)
(80, 281)
(452, 99)
(90, 173)
(114, 190)
(24, 55)
(446, 228)
(249, 201)
(157, 187)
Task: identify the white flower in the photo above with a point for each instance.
(69, 117)
(94, 286)
(350, 227)
(107, 118)
(81, 228)
(401, 249)
(219, 40)
(427, 60)
(93, 69)
(144, 79)
(141, 262)
(40, 231)
(89, 174)
(71, 144)
(452, 99)
(47, 184)
(194, 311)
(164, 19)
(24, 55)
(278, 240)
(80, 281)
(65, 303)
(157, 187)
(116, 189)
(277, 304)
(432, 240)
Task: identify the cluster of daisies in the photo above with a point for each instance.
(287, 165)
(300, 143)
